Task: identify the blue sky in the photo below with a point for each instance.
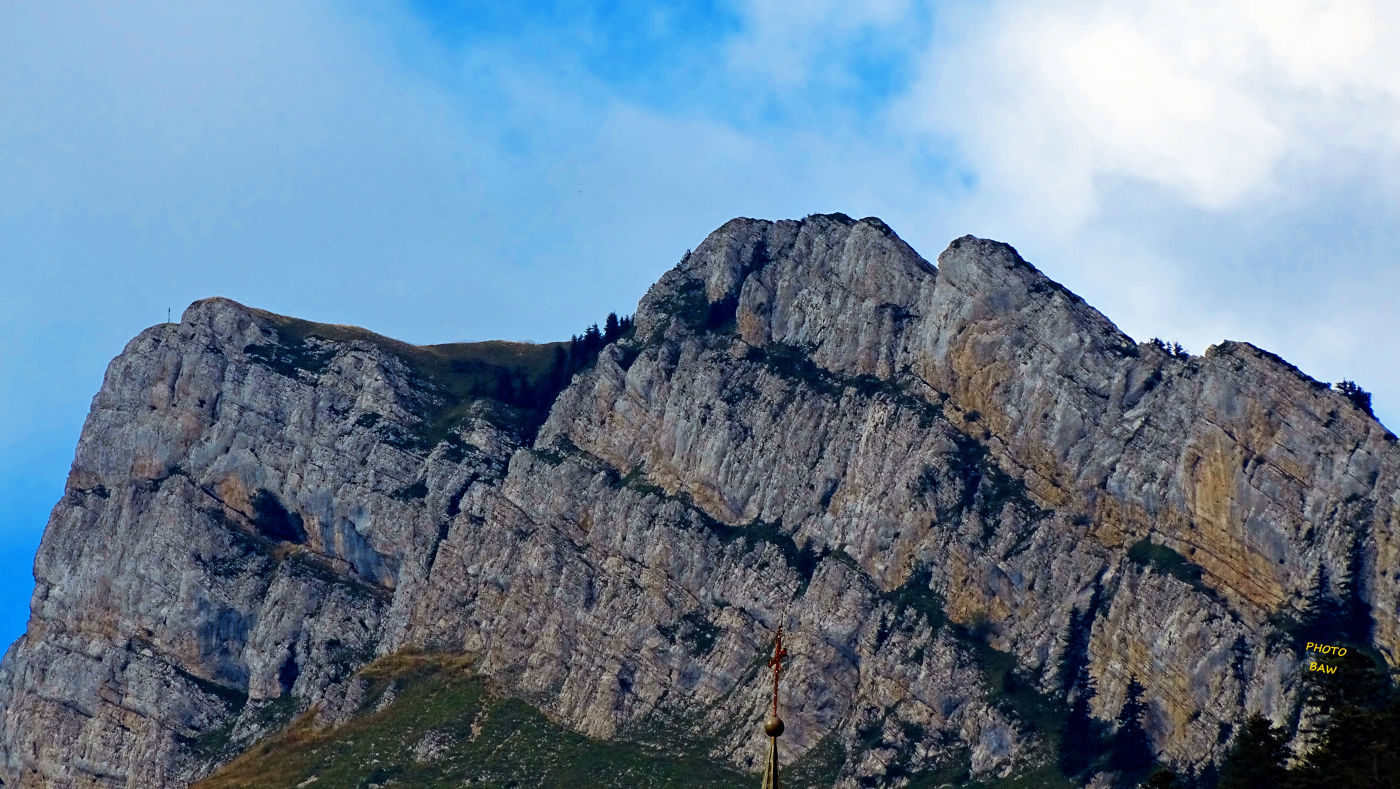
(457, 171)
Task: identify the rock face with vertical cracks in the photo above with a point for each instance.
(925, 472)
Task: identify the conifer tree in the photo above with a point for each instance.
(1356, 620)
(1358, 751)
(1320, 610)
(1132, 748)
(1321, 694)
(1079, 741)
(1075, 654)
(612, 328)
(1359, 397)
(1361, 682)
(592, 340)
(1072, 655)
(559, 368)
(1239, 658)
(1163, 778)
(1258, 758)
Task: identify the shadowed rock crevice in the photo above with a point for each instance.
(272, 520)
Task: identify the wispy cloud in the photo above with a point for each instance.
(793, 46)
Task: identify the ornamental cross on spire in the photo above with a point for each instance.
(773, 727)
(776, 663)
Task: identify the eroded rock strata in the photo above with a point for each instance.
(926, 472)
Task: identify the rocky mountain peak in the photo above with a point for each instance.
(948, 483)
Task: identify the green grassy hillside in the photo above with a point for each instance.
(428, 721)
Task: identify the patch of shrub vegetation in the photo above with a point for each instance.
(233, 698)
(292, 355)
(312, 565)
(688, 303)
(1173, 349)
(802, 560)
(345, 659)
(211, 745)
(983, 487)
(819, 766)
(457, 448)
(1359, 397)
(1018, 695)
(794, 363)
(1036, 714)
(636, 479)
(627, 354)
(418, 490)
(698, 633)
(916, 595)
(1146, 553)
(693, 630)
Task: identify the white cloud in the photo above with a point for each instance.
(1202, 99)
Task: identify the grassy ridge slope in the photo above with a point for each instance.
(428, 721)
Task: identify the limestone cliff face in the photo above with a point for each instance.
(923, 472)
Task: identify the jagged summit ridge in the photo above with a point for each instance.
(809, 417)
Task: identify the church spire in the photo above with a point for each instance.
(773, 727)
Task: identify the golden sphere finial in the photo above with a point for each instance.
(773, 727)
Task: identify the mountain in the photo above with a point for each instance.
(966, 494)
